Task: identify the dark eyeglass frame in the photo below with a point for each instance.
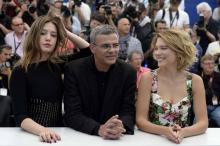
(108, 46)
(19, 24)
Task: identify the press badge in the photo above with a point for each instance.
(214, 100)
(3, 92)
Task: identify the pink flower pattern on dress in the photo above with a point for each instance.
(167, 113)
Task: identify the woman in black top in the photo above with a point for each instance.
(36, 83)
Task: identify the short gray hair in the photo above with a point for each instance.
(130, 54)
(205, 5)
(102, 29)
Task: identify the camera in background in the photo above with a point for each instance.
(131, 12)
(77, 2)
(65, 12)
(32, 8)
(153, 1)
(201, 22)
(107, 9)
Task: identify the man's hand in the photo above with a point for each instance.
(112, 129)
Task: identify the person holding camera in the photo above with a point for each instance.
(111, 11)
(80, 10)
(206, 26)
(28, 11)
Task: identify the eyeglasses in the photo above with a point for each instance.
(108, 46)
(18, 24)
(208, 63)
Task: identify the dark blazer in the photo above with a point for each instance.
(215, 87)
(81, 96)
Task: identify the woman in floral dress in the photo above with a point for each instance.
(170, 96)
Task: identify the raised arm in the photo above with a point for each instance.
(80, 42)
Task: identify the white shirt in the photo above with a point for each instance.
(177, 22)
(85, 9)
(12, 40)
(213, 48)
(215, 14)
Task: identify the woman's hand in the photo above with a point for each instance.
(171, 134)
(180, 132)
(49, 136)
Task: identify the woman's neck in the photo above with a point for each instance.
(170, 72)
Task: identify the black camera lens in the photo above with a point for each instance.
(154, 1)
(107, 9)
(32, 8)
(77, 2)
(200, 23)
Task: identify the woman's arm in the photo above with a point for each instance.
(80, 42)
(45, 134)
(200, 109)
(19, 97)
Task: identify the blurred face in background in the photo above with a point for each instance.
(58, 4)
(204, 12)
(136, 60)
(124, 26)
(5, 54)
(94, 23)
(208, 66)
(17, 25)
(161, 27)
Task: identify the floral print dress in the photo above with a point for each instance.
(167, 113)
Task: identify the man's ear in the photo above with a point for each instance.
(92, 48)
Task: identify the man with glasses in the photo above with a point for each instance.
(16, 37)
(100, 89)
(211, 81)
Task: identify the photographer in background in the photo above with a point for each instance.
(81, 11)
(153, 7)
(143, 28)
(112, 11)
(206, 26)
(27, 10)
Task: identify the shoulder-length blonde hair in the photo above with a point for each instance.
(31, 47)
(180, 42)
